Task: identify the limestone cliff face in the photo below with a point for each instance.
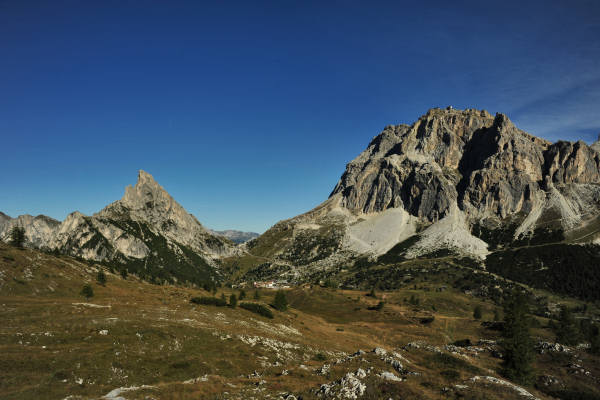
(148, 202)
(449, 181)
(38, 230)
(484, 165)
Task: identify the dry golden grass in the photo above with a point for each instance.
(54, 343)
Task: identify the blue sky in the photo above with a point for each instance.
(247, 112)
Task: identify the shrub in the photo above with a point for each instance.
(280, 303)
(87, 291)
(257, 308)
(595, 344)
(242, 295)
(256, 295)
(567, 331)
(17, 236)
(320, 357)
(463, 343)
(414, 300)
(446, 361)
(209, 301)
(331, 284)
(124, 273)
(450, 374)
(497, 316)
(101, 278)
(477, 312)
(232, 301)
(378, 307)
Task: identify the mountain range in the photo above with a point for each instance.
(146, 232)
(456, 183)
(236, 236)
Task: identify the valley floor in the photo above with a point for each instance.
(135, 340)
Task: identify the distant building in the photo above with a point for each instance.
(271, 285)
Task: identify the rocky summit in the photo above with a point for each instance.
(146, 232)
(459, 182)
(477, 165)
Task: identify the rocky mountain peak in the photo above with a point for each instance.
(467, 166)
(596, 144)
(149, 203)
(147, 225)
(146, 193)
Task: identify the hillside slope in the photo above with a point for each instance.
(137, 340)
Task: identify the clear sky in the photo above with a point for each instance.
(247, 112)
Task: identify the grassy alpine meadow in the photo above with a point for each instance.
(135, 340)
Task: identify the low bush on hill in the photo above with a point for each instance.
(209, 301)
(257, 308)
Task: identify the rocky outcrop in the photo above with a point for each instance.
(454, 180)
(39, 230)
(567, 163)
(149, 203)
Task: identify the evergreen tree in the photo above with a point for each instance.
(17, 236)
(101, 278)
(517, 342)
(477, 312)
(372, 293)
(280, 303)
(497, 315)
(232, 301)
(87, 291)
(223, 297)
(256, 295)
(124, 273)
(567, 331)
(595, 342)
(242, 294)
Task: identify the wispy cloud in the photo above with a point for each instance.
(571, 113)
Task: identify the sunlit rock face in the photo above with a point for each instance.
(483, 164)
(127, 230)
(148, 202)
(447, 180)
